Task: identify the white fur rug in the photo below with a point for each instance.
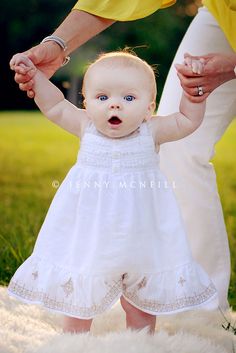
(32, 329)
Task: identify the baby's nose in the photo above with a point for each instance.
(114, 106)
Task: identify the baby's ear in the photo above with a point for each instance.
(150, 110)
(84, 103)
(152, 107)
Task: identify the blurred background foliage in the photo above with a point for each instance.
(23, 25)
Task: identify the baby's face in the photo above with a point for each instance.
(117, 99)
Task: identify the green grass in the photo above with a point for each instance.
(225, 166)
(35, 153)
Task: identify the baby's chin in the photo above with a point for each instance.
(117, 133)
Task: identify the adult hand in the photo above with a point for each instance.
(218, 68)
(47, 57)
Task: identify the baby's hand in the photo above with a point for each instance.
(21, 64)
(196, 65)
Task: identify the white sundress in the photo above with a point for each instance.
(112, 229)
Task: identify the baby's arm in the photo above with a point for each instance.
(180, 124)
(51, 100)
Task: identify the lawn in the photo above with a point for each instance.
(35, 157)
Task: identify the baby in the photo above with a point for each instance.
(123, 236)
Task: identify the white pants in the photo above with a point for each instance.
(186, 162)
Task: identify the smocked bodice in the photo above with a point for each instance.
(135, 152)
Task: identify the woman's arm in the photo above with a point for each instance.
(76, 29)
(50, 99)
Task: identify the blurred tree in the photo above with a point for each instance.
(22, 26)
(156, 39)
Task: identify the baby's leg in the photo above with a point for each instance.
(74, 325)
(137, 319)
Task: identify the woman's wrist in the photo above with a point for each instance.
(58, 45)
(78, 27)
(225, 67)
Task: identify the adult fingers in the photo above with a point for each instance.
(191, 86)
(12, 62)
(26, 86)
(197, 99)
(17, 59)
(204, 57)
(190, 82)
(30, 93)
(22, 78)
(36, 54)
(22, 59)
(189, 56)
(195, 91)
(186, 70)
(201, 58)
(22, 69)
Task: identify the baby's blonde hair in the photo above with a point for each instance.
(128, 59)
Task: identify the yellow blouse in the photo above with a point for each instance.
(122, 10)
(224, 11)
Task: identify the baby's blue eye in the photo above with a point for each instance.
(102, 97)
(129, 98)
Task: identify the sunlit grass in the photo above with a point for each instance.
(35, 155)
(225, 165)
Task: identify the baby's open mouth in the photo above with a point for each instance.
(115, 120)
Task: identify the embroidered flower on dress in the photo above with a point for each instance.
(181, 281)
(125, 275)
(68, 287)
(35, 275)
(142, 283)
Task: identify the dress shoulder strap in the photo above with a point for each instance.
(90, 127)
(145, 128)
